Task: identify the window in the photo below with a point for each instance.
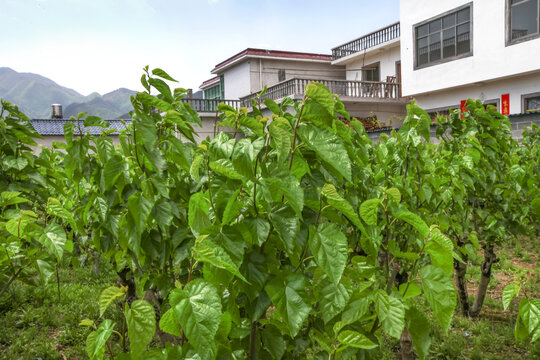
(444, 38)
(371, 73)
(213, 93)
(522, 20)
(281, 75)
(531, 102)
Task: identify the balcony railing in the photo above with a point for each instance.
(210, 105)
(367, 41)
(358, 89)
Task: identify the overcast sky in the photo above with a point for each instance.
(102, 45)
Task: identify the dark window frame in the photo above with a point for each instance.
(370, 66)
(508, 21)
(441, 16)
(524, 99)
(491, 101)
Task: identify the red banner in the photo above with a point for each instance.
(463, 107)
(505, 104)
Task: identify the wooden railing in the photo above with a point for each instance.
(360, 89)
(210, 105)
(367, 41)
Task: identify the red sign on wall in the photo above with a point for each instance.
(505, 104)
(463, 107)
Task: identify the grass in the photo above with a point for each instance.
(37, 325)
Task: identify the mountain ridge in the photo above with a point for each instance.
(34, 94)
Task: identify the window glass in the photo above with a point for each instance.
(532, 104)
(449, 20)
(444, 38)
(371, 73)
(434, 26)
(449, 43)
(434, 46)
(523, 18)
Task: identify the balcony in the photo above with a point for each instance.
(367, 41)
(346, 89)
(210, 105)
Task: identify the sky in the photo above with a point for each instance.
(102, 45)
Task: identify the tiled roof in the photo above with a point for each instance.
(56, 126)
(273, 53)
(211, 81)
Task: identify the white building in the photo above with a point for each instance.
(481, 49)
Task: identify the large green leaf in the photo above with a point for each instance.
(112, 170)
(273, 341)
(224, 167)
(440, 249)
(198, 310)
(287, 224)
(509, 292)
(415, 221)
(335, 200)
(290, 188)
(108, 295)
(54, 239)
(329, 147)
(282, 141)
(368, 211)
(208, 252)
(440, 293)
(332, 298)
(330, 249)
(95, 342)
(199, 208)
(169, 324)
(141, 324)
(288, 294)
(391, 313)
(139, 209)
(356, 339)
(418, 327)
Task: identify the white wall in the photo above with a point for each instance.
(491, 57)
(516, 86)
(387, 58)
(237, 82)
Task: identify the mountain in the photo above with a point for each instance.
(34, 94)
(109, 106)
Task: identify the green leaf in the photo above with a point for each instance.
(15, 163)
(440, 293)
(332, 298)
(356, 308)
(391, 313)
(208, 252)
(282, 141)
(335, 200)
(509, 292)
(162, 74)
(224, 167)
(288, 294)
(139, 209)
(168, 323)
(153, 101)
(329, 147)
(95, 121)
(112, 171)
(195, 167)
(108, 295)
(198, 310)
(419, 328)
(368, 211)
(394, 193)
(321, 95)
(287, 225)
(232, 209)
(290, 188)
(95, 342)
(356, 340)
(415, 221)
(199, 208)
(141, 324)
(54, 239)
(46, 270)
(440, 249)
(272, 106)
(330, 249)
(273, 341)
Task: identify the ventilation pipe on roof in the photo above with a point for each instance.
(56, 111)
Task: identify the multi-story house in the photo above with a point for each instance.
(482, 49)
(367, 91)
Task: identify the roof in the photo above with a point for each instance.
(250, 52)
(56, 126)
(208, 82)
